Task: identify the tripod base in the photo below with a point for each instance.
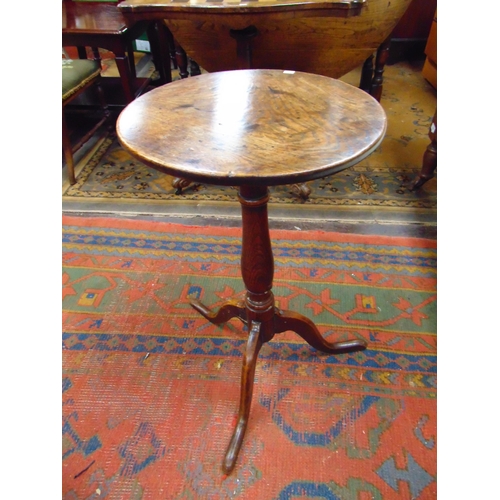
(280, 321)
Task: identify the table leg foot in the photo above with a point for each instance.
(247, 379)
(429, 163)
(179, 184)
(301, 190)
(305, 328)
(231, 309)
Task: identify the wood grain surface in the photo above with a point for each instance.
(327, 37)
(252, 127)
(237, 6)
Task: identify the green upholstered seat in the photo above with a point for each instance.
(76, 73)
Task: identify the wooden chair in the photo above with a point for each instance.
(102, 25)
(77, 76)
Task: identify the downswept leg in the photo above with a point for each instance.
(247, 378)
(231, 309)
(305, 328)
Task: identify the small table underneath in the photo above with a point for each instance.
(254, 129)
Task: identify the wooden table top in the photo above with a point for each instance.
(252, 127)
(239, 6)
(98, 18)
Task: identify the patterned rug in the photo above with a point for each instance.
(377, 189)
(151, 389)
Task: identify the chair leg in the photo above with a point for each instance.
(367, 75)
(158, 37)
(97, 55)
(68, 153)
(102, 100)
(131, 59)
(82, 52)
(380, 60)
(123, 66)
(194, 68)
(429, 162)
(68, 148)
(182, 60)
(171, 46)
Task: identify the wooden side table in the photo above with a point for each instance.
(254, 129)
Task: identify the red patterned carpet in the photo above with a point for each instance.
(151, 389)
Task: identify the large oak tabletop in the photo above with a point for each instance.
(252, 127)
(347, 7)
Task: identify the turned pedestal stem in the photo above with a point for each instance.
(257, 263)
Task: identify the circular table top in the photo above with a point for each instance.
(252, 127)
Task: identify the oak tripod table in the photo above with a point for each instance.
(254, 129)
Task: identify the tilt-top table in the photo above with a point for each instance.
(254, 129)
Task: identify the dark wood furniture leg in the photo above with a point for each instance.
(123, 65)
(365, 82)
(243, 39)
(372, 78)
(68, 148)
(97, 55)
(429, 162)
(194, 68)
(182, 60)
(131, 59)
(171, 46)
(380, 60)
(82, 52)
(159, 38)
(258, 310)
